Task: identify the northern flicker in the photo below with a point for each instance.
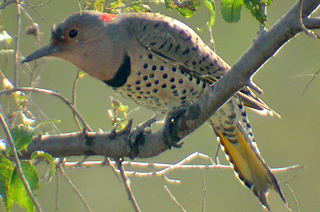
(161, 63)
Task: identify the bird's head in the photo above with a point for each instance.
(87, 39)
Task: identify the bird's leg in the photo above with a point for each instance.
(171, 126)
(136, 136)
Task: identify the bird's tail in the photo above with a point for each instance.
(233, 129)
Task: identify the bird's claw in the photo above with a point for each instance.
(171, 128)
(136, 137)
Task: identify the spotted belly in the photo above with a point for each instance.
(159, 85)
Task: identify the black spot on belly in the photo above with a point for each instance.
(154, 68)
(120, 78)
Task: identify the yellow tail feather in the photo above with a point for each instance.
(248, 164)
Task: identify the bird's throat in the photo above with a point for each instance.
(121, 76)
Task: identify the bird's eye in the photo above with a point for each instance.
(73, 33)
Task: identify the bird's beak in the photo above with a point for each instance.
(42, 52)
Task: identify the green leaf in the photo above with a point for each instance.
(138, 6)
(231, 9)
(21, 99)
(123, 108)
(17, 189)
(187, 11)
(253, 6)
(6, 168)
(93, 5)
(50, 160)
(169, 4)
(190, 10)
(115, 6)
(209, 4)
(21, 135)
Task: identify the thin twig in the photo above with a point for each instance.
(57, 192)
(314, 76)
(127, 185)
(16, 55)
(17, 162)
(37, 43)
(6, 3)
(33, 7)
(262, 28)
(75, 189)
(168, 167)
(5, 50)
(165, 165)
(293, 194)
(204, 191)
(109, 162)
(33, 24)
(211, 41)
(39, 5)
(45, 91)
(73, 102)
(44, 115)
(301, 24)
(174, 199)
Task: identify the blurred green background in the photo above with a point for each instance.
(293, 139)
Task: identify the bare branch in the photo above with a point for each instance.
(16, 54)
(302, 26)
(312, 23)
(39, 90)
(174, 199)
(6, 3)
(313, 77)
(204, 191)
(127, 185)
(75, 189)
(73, 102)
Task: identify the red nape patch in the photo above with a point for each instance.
(107, 17)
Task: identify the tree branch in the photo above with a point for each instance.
(186, 120)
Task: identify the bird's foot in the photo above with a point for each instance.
(171, 126)
(136, 136)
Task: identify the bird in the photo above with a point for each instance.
(162, 64)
